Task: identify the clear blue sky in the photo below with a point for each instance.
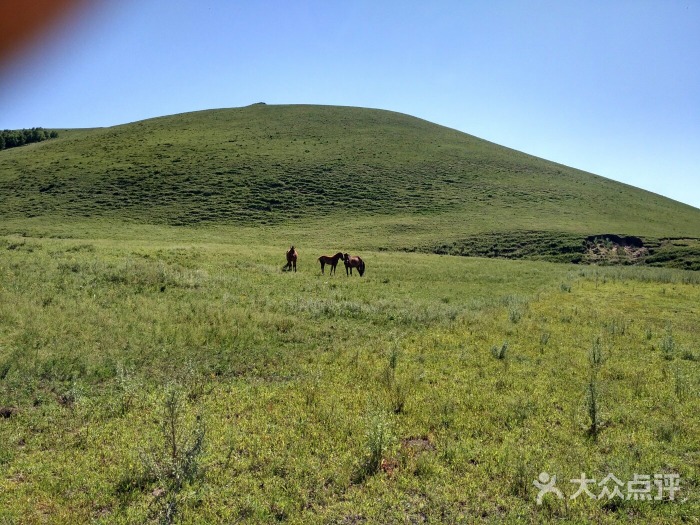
(611, 87)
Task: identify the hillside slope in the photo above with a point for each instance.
(428, 185)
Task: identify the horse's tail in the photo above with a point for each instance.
(361, 268)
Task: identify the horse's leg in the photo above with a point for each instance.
(322, 265)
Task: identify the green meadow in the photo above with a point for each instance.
(158, 366)
(156, 380)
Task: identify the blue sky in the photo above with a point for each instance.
(610, 87)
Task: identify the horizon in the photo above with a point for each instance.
(562, 83)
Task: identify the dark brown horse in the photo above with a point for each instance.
(353, 262)
(291, 260)
(331, 260)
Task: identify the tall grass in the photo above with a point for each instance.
(107, 373)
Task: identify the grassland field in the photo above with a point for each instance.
(174, 374)
(158, 366)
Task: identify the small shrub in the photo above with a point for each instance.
(596, 354)
(593, 408)
(5, 368)
(378, 440)
(398, 394)
(176, 462)
(687, 355)
(514, 314)
(447, 414)
(393, 357)
(668, 430)
(520, 484)
(126, 390)
(680, 384)
(668, 346)
(500, 353)
(397, 388)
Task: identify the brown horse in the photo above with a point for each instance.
(331, 260)
(291, 260)
(354, 262)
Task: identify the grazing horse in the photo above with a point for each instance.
(353, 262)
(332, 261)
(291, 260)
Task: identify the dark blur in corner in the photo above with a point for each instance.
(24, 22)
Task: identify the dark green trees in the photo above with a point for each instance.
(12, 138)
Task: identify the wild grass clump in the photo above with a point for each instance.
(397, 387)
(596, 356)
(680, 384)
(126, 390)
(500, 352)
(514, 315)
(175, 463)
(593, 398)
(593, 408)
(668, 345)
(379, 437)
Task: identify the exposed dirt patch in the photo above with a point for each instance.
(615, 249)
(7, 412)
(565, 247)
(415, 445)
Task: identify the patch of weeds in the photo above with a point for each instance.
(379, 438)
(81, 248)
(668, 345)
(687, 355)
(593, 408)
(521, 481)
(126, 388)
(616, 327)
(196, 382)
(175, 463)
(500, 352)
(680, 384)
(518, 412)
(5, 368)
(515, 314)
(424, 466)
(668, 430)
(398, 395)
(447, 414)
(311, 391)
(397, 388)
(596, 356)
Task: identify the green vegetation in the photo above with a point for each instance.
(157, 366)
(416, 185)
(150, 380)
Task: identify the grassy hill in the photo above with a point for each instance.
(418, 185)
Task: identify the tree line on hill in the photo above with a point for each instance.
(11, 138)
